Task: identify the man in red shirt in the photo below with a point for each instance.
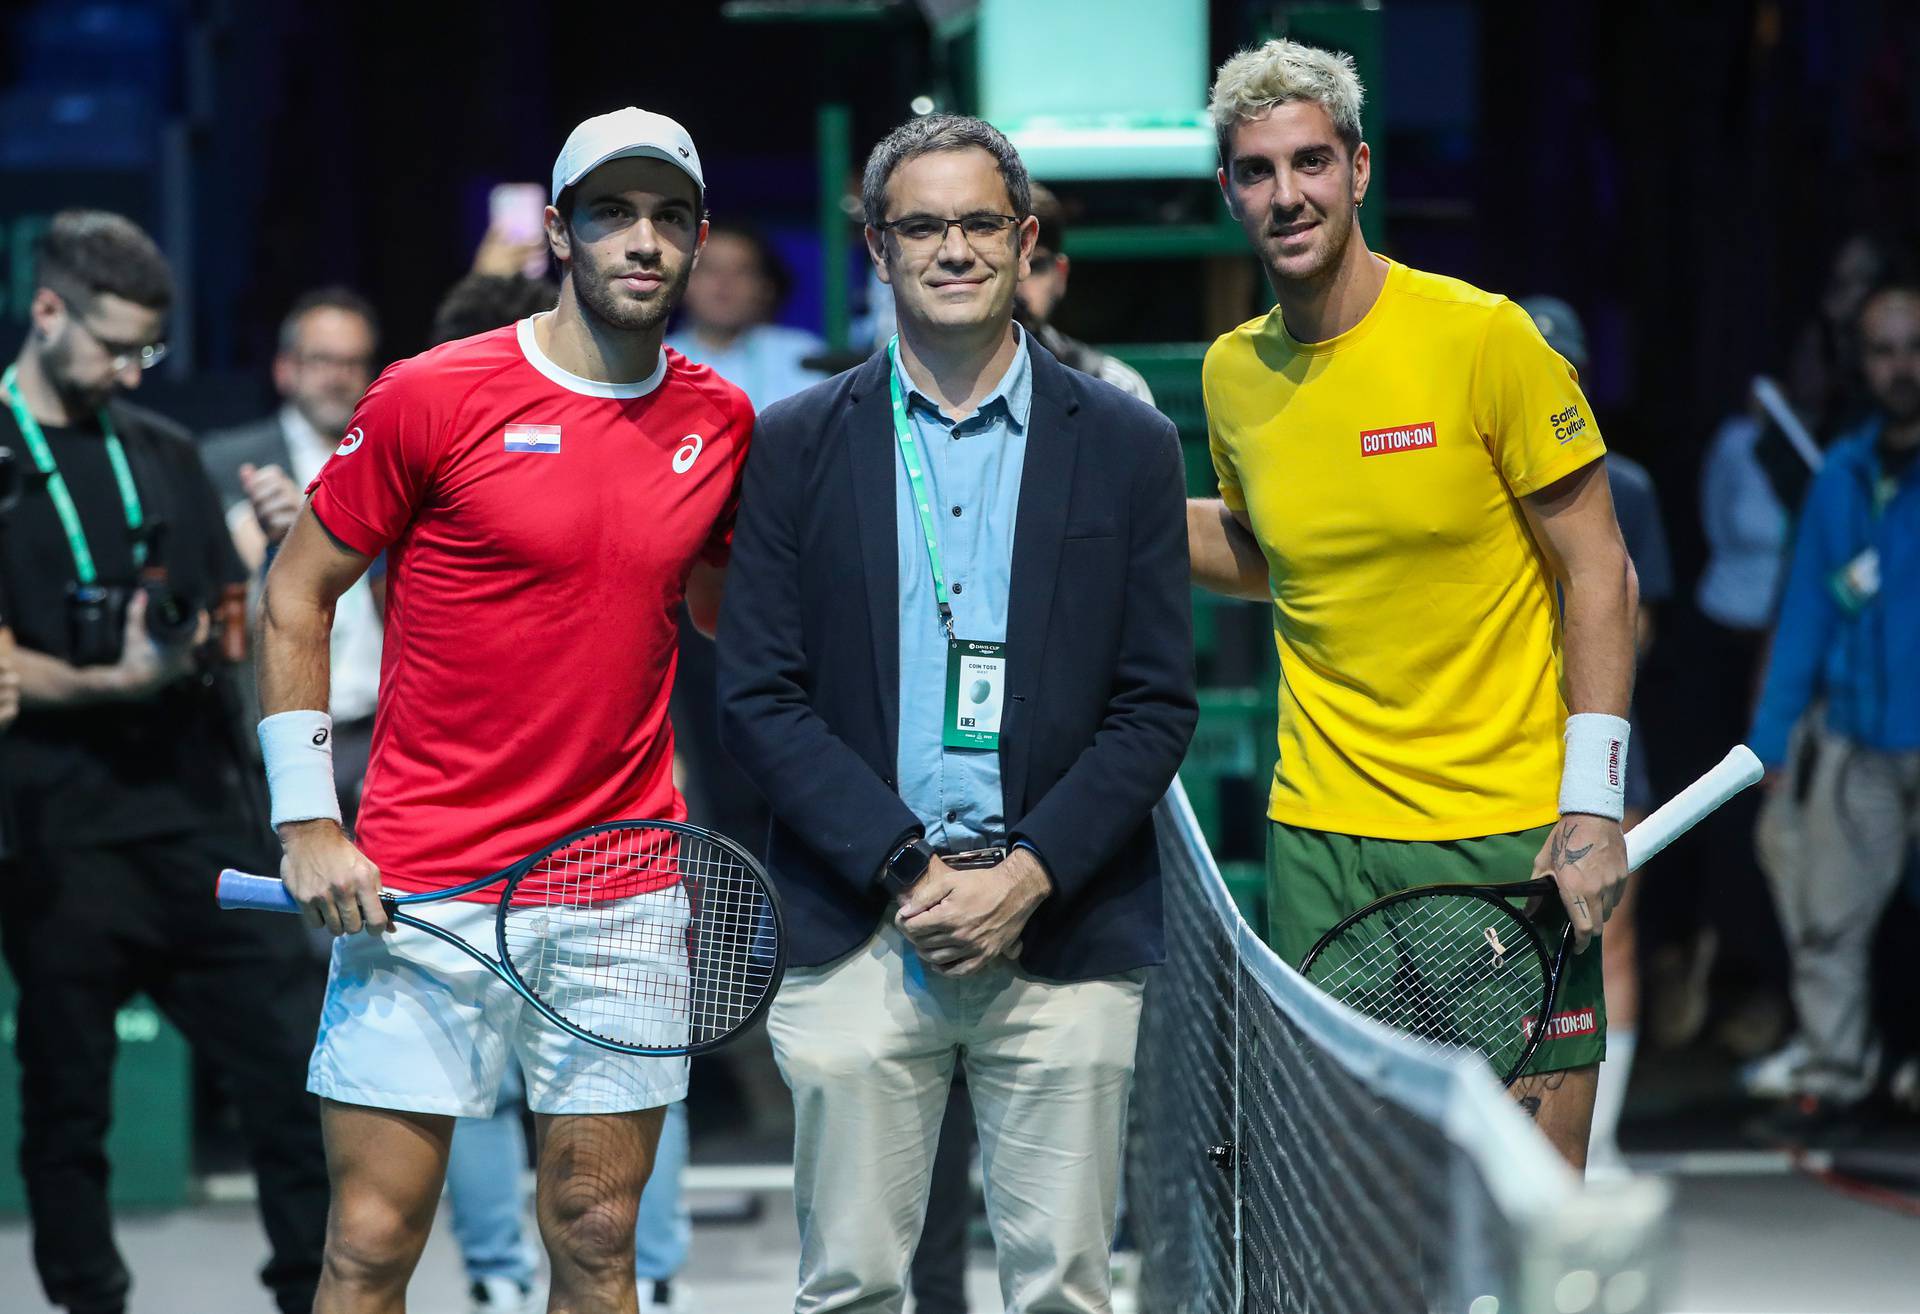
(547, 495)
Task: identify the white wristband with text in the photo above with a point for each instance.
(298, 749)
(1594, 779)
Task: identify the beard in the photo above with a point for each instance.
(1335, 232)
(600, 300)
(56, 361)
(327, 415)
(1900, 399)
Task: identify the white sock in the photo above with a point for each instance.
(1611, 1094)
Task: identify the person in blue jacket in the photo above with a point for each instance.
(1849, 633)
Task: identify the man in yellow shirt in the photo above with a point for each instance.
(1407, 471)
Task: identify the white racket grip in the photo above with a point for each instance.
(238, 889)
(1692, 805)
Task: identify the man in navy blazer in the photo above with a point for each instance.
(957, 619)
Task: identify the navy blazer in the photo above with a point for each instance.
(1100, 700)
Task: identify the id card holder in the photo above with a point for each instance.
(1857, 584)
(976, 694)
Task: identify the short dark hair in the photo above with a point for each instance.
(772, 267)
(85, 253)
(334, 297)
(480, 303)
(930, 135)
(1897, 285)
(1053, 220)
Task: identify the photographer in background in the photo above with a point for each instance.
(124, 779)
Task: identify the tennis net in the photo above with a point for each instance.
(1287, 1154)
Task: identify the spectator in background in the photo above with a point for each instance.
(124, 779)
(482, 302)
(1746, 528)
(324, 362)
(736, 290)
(1849, 628)
(1045, 287)
(1638, 509)
(1823, 372)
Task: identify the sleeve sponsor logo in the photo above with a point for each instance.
(1404, 438)
(533, 438)
(1568, 424)
(1573, 1022)
(351, 443)
(688, 453)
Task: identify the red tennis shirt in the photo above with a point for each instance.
(539, 530)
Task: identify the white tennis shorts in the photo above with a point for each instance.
(412, 1023)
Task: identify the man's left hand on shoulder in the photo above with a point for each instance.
(1587, 858)
(961, 921)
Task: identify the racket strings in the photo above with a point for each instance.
(1451, 970)
(644, 937)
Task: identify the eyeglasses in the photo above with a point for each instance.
(320, 360)
(120, 355)
(980, 228)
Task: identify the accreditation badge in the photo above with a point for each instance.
(1857, 584)
(976, 694)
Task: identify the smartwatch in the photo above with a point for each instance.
(907, 865)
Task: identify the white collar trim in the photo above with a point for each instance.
(530, 348)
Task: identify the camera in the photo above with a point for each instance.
(97, 613)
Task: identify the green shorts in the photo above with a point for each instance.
(1316, 877)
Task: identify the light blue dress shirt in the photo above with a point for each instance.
(972, 468)
(763, 362)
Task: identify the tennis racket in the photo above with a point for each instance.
(641, 937)
(1464, 965)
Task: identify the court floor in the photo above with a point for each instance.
(1745, 1243)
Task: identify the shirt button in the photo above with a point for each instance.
(956, 510)
(953, 816)
(957, 589)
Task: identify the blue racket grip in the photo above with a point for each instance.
(237, 889)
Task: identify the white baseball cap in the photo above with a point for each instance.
(624, 134)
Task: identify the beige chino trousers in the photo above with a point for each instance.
(868, 1046)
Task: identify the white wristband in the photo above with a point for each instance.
(1594, 779)
(298, 749)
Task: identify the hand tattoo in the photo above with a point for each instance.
(1562, 853)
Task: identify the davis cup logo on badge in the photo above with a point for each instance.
(1404, 438)
(351, 443)
(688, 453)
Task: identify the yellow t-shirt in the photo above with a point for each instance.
(1417, 621)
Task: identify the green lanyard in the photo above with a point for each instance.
(910, 453)
(36, 442)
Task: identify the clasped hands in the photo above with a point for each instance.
(961, 921)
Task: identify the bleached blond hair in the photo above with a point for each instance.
(1279, 73)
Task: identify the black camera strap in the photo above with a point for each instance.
(84, 570)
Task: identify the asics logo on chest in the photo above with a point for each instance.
(351, 443)
(687, 453)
